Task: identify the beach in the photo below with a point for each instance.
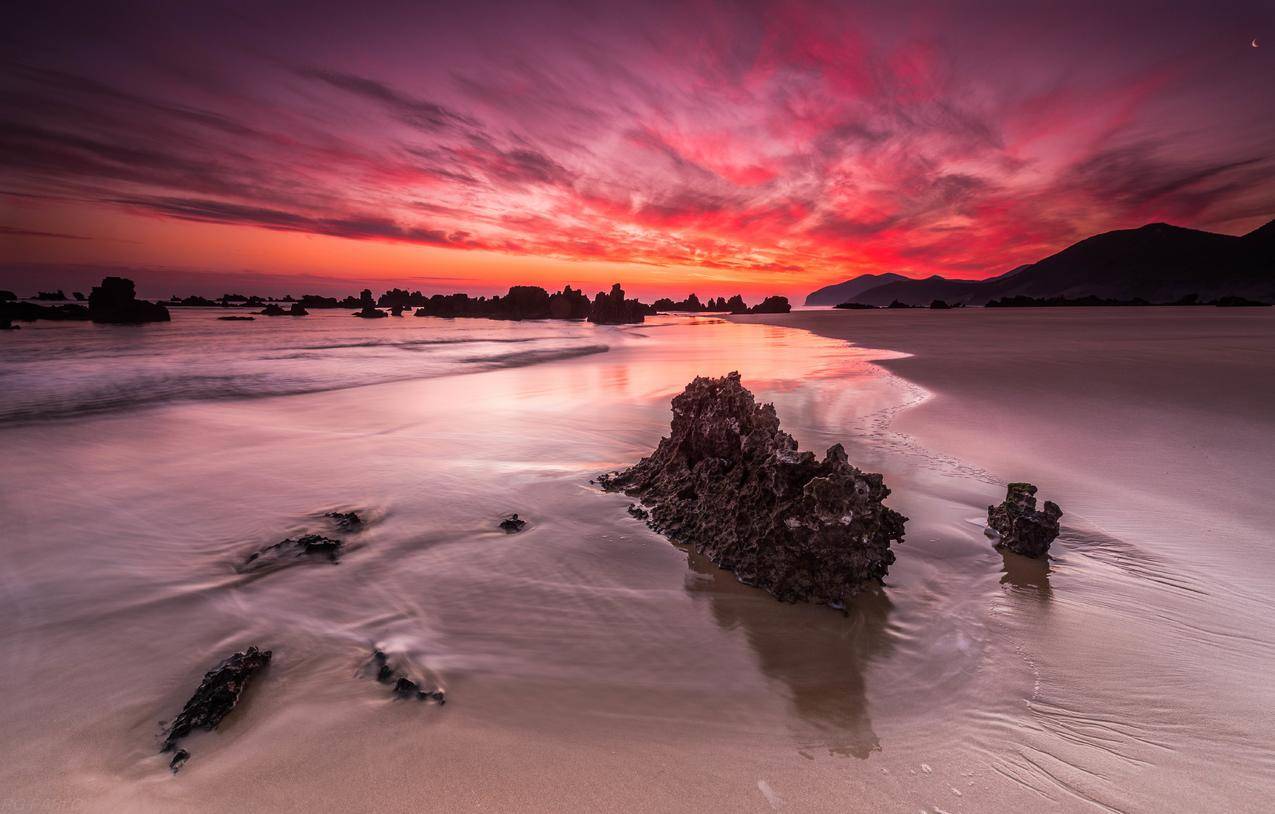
(587, 663)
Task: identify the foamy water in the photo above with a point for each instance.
(588, 663)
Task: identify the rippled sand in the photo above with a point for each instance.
(590, 665)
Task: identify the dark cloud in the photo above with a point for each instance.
(417, 112)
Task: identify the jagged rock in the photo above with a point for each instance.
(771, 305)
(1021, 528)
(404, 687)
(371, 312)
(290, 550)
(513, 523)
(614, 309)
(346, 521)
(214, 699)
(276, 310)
(728, 482)
(179, 759)
(114, 301)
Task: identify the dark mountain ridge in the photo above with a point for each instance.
(1157, 262)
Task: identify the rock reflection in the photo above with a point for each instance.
(1027, 576)
(819, 655)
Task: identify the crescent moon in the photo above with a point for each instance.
(1255, 42)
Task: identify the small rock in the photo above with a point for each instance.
(286, 551)
(216, 696)
(179, 759)
(346, 521)
(1021, 528)
(513, 523)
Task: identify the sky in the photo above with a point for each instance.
(675, 147)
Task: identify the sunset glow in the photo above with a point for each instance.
(706, 148)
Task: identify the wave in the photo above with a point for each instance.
(45, 392)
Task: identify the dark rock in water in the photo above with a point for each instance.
(215, 698)
(404, 687)
(939, 305)
(638, 512)
(236, 319)
(371, 312)
(273, 310)
(179, 759)
(614, 309)
(114, 301)
(513, 523)
(898, 304)
(7, 296)
(54, 296)
(1023, 529)
(728, 482)
(6, 325)
(289, 550)
(855, 306)
(346, 521)
(396, 310)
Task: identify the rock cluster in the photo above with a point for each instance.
(115, 301)
(1021, 528)
(614, 309)
(276, 310)
(214, 699)
(404, 687)
(512, 523)
(728, 482)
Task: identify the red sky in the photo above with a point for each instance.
(711, 147)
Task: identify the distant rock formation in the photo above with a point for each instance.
(54, 296)
(1019, 526)
(30, 312)
(275, 310)
(215, 697)
(771, 305)
(235, 318)
(614, 309)
(370, 312)
(570, 303)
(114, 301)
(728, 482)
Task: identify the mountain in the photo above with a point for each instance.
(844, 292)
(1158, 263)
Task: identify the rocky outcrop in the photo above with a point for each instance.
(292, 550)
(614, 309)
(371, 312)
(731, 484)
(115, 302)
(276, 310)
(1019, 526)
(771, 305)
(216, 696)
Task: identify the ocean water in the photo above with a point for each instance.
(588, 663)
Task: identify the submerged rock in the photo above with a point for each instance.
(346, 521)
(404, 687)
(235, 319)
(289, 550)
(1021, 528)
(513, 523)
(728, 482)
(216, 696)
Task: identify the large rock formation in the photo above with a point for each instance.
(114, 301)
(771, 305)
(614, 309)
(214, 699)
(730, 483)
(1021, 528)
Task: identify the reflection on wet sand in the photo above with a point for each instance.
(818, 654)
(1027, 576)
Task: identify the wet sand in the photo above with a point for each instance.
(590, 665)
